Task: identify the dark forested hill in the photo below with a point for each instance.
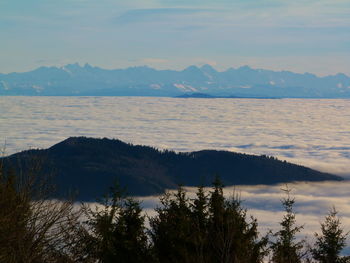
(90, 166)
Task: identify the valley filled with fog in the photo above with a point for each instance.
(310, 132)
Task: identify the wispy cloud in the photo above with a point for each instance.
(155, 14)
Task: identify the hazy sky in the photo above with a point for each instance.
(299, 35)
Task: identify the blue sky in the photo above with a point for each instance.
(307, 35)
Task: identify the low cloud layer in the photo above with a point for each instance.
(313, 133)
(309, 132)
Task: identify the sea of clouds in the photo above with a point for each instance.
(311, 132)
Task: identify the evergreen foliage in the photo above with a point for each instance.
(232, 237)
(207, 229)
(331, 241)
(200, 223)
(285, 248)
(116, 233)
(171, 229)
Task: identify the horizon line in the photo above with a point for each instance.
(86, 64)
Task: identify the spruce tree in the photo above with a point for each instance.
(116, 233)
(331, 241)
(199, 222)
(285, 248)
(232, 237)
(130, 242)
(171, 229)
(217, 232)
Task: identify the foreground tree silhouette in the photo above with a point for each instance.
(331, 241)
(116, 233)
(285, 249)
(199, 224)
(171, 229)
(33, 228)
(232, 238)
(206, 229)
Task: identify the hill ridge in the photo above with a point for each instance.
(90, 166)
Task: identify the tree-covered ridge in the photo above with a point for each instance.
(90, 165)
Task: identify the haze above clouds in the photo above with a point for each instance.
(274, 34)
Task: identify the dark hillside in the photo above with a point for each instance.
(91, 165)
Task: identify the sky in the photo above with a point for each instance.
(301, 36)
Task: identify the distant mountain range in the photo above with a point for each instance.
(90, 166)
(76, 80)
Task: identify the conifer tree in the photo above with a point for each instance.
(232, 237)
(285, 249)
(217, 233)
(129, 235)
(116, 233)
(200, 225)
(171, 229)
(100, 225)
(331, 241)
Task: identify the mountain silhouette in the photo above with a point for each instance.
(90, 166)
(76, 80)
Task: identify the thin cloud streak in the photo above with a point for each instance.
(151, 15)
